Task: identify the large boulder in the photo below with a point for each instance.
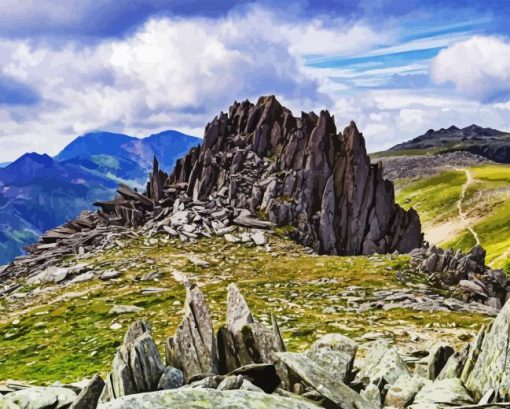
(38, 398)
(490, 367)
(89, 396)
(382, 363)
(449, 392)
(137, 365)
(324, 382)
(193, 348)
(401, 394)
(201, 399)
(336, 352)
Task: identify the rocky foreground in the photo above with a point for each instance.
(244, 364)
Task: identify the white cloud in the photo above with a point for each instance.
(171, 73)
(478, 67)
(176, 73)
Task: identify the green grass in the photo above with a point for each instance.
(400, 152)
(492, 173)
(494, 232)
(434, 198)
(486, 202)
(67, 339)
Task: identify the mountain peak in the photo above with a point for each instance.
(33, 157)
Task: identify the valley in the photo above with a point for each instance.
(459, 205)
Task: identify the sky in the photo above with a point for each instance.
(395, 67)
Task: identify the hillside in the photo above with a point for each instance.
(462, 198)
(39, 192)
(490, 143)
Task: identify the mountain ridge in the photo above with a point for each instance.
(487, 142)
(39, 192)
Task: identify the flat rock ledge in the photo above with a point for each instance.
(245, 365)
(210, 398)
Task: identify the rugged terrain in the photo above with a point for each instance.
(295, 215)
(38, 193)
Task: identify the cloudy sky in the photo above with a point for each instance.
(396, 67)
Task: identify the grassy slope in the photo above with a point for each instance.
(486, 202)
(64, 334)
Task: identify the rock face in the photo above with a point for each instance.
(89, 396)
(193, 348)
(319, 181)
(490, 367)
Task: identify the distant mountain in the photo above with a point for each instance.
(126, 158)
(38, 192)
(487, 142)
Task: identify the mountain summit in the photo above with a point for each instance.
(487, 142)
(318, 180)
(258, 167)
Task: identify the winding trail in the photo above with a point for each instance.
(452, 228)
(464, 220)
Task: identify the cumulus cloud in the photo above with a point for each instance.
(478, 67)
(170, 73)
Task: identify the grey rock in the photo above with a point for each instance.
(137, 365)
(88, 398)
(248, 386)
(110, 275)
(372, 394)
(447, 391)
(323, 382)
(172, 378)
(124, 309)
(382, 363)
(39, 398)
(401, 394)
(82, 278)
(491, 368)
(454, 365)
(259, 238)
(199, 398)
(436, 360)
(209, 382)
(335, 352)
(231, 382)
(238, 312)
(193, 349)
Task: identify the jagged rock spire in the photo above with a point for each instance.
(319, 181)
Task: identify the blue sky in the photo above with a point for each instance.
(397, 68)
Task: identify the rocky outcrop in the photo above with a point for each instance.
(329, 374)
(299, 172)
(193, 348)
(258, 167)
(137, 366)
(89, 396)
(466, 275)
(489, 368)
